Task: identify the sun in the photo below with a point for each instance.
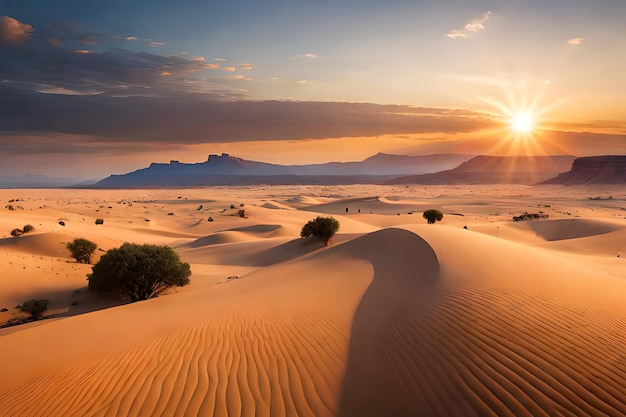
(522, 123)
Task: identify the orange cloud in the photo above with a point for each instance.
(13, 31)
(132, 38)
(211, 66)
(229, 69)
(54, 42)
(82, 51)
(166, 73)
(239, 77)
(245, 66)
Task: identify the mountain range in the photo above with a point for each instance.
(496, 170)
(226, 169)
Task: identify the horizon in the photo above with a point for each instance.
(114, 87)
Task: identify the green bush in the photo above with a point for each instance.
(81, 250)
(99, 221)
(34, 307)
(322, 228)
(138, 272)
(433, 216)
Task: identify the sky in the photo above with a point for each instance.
(91, 88)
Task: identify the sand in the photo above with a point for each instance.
(394, 317)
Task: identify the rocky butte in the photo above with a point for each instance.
(606, 169)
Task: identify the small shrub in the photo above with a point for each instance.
(17, 232)
(322, 228)
(241, 205)
(99, 221)
(62, 223)
(433, 216)
(232, 206)
(241, 213)
(210, 219)
(34, 307)
(9, 207)
(28, 228)
(138, 272)
(81, 250)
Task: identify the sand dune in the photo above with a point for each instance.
(395, 317)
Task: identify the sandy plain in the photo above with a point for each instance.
(394, 318)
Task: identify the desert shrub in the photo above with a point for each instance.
(241, 205)
(433, 216)
(138, 272)
(232, 206)
(241, 213)
(81, 250)
(28, 228)
(322, 228)
(530, 216)
(99, 221)
(62, 223)
(9, 207)
(210, 219)
(17, 232)
(34, 307)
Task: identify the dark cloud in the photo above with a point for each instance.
(200, 118)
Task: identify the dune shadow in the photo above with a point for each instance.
(406, 271)
(564, 229)
(72, 302)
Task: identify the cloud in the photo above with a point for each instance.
(304, 56)
(175, 116)
(132, 38)
(36, 66)
(472, 26)
(456, 34)
(54, 42)
(302, 81)
(229, 69)
(245, 66)
(576, 41)
(239, 77)
(478, 24)
(154, 44)
(13, 31)
(220, 59)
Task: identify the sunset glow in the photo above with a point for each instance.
(522, 123)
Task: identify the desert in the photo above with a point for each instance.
(474, 315)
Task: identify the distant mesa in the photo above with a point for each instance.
(606, 169)
(496, 170)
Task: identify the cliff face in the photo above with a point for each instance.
(607, 169)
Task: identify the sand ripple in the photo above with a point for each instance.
(239, 365)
